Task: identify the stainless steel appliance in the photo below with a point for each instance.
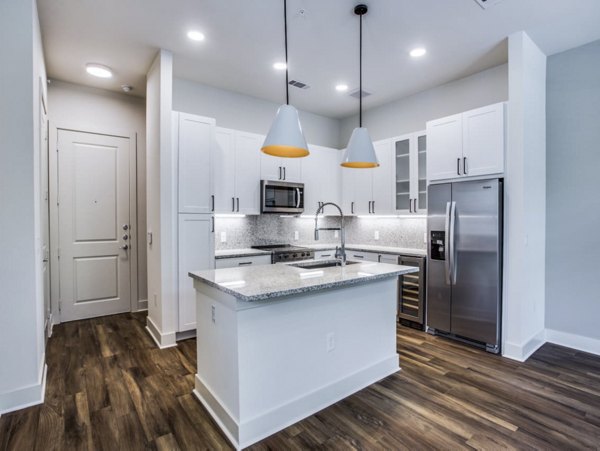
(464, 261)
(411, 292)
(287, 253)
(281, 197)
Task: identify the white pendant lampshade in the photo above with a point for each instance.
(360, 152)
(285, 138)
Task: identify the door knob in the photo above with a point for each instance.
(125, 247)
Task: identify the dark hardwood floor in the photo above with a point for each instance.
(110, 388)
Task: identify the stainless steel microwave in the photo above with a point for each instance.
(281, 197)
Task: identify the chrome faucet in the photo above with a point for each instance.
(340, 252)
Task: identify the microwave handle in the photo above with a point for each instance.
(298, 198)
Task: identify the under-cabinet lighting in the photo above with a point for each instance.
(230, 215)
(390, 216)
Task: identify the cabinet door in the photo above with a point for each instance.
(312, 178)
(419, 172)
(196, 252)
(195, 142)
(388, 258)
(271, 168)
(362, 256)
(382, 179)
(242, 261)
(331, 173)
(224, 170)
(483, 140)
(363, 190)
(403, 156)
(348, 186)
(444, 148)
(247, 173)
(292, 169)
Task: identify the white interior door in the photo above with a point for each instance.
(94, 228)
(44, 214)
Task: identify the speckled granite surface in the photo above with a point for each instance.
(272, 281)
(371, 248)
(233, 253)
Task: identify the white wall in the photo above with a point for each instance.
(21, 300)
(410, 114)
(90, 109)
(525, 200)
(250, 114)
(161, 204)
(573, 198)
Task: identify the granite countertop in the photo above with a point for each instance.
(272, 281)
(371, 248)
(232, 253)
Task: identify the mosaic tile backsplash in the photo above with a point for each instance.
(274, 229)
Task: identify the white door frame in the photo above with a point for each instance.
(54, 225)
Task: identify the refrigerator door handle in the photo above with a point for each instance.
(452, 247)
(447, 262)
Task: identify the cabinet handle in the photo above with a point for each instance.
(358, 256)
(410, 205)
(233, 204)
(279, 172)
(465, 166)
(212, 221)
(325, 255)
(352, 207)
(238, 204)
(244, 263)
(373, 207)
(212, 200)
(458, 166)
(284, 177)
(415, 209)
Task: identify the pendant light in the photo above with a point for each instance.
(285, 138)
(360, 152)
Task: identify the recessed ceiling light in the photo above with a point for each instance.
(279, 66)
(341, 87)
(415, 53)
(195, 35)
(98, 70)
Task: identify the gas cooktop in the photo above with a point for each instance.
(286, 252)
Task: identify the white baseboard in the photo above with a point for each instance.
(578, 342)
(23, 397)
(166, 340)
(186, 334)
(247, 432)
(142, 305)
(521, 352)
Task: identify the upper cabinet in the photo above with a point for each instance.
(321, 178)
(468, 144)
(237, 164)
(193, 138)
(410, 173)
(280, 169)
(368, 191)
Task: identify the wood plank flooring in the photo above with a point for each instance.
(110, 388)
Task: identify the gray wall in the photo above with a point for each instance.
(411, 113)
(573, 191)
(250, 114)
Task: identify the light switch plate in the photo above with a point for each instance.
(296, 235)
(336, 234)
(376, 234)
(223, 237)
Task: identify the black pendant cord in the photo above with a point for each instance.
(287, 84)
(360, 76)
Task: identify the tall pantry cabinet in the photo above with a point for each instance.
(193, 146)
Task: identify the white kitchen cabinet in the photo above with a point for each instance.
(321, 178)
(362, 256)
(235, 262)
(328, 254)
(193, 142)
(388, 258)
(237, 172)
(279, 168)
(369, 191)
(467, 145)
(410, 173)
(196, 252)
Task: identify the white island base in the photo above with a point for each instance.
(265, 365)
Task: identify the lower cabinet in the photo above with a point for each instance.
(234, 262)
(362, 256)
(196, 252)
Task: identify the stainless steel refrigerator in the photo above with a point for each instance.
(464, 261)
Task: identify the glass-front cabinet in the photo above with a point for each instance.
(410, 182)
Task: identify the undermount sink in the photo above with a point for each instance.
(320, 264)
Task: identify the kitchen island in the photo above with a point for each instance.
(277, 343)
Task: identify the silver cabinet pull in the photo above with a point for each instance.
(233, 204)
(212, 200)
(352, 207)
(238, 204)
(358, 256)
(212, 222)
(279, 172)
(284, 177)
(458, 166)
(244, 263)
(415, 209)
(410, 205)
(465, 166)
(373, 207)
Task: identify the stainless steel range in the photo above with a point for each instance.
(287, 253)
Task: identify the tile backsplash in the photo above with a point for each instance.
(274, 229)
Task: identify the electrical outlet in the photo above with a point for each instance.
(296, 235)
(336, 234)
(425, 237)
(376, 234)
(213, 313)
(223, 237)
(330, 341)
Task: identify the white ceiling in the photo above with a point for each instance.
(245, 37)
